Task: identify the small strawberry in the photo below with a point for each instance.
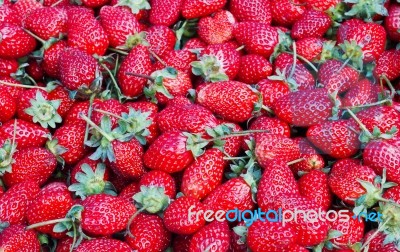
(214, 235)
(388, 65)
(232, 145)
(8, 106)
(47, 22)
(27, 134)
(364, 92)
(310, 47)
(8, 66)
(286, 13)
(296, 76)
(159, 179)
(161, 39)
(15, 42)
(333, 76)
(129, 191)
(392, 22)
(165, 12)
(198, 8)
(257, 11)
(181, 243)
(253, 69)
(218, 28)
(103, 244)
(314, 185)
(312, 159)
(17, 238)
(313, 23)
(272, 90)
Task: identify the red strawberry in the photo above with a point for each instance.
(388, 65)
(15, 42)
(198, 8)
(24, 7)
(47, 22)
(8, 15)
(272, 90)
(203, 175)
(137, 62)
(51, 58)
(258, 38)
(15, 201)
(377, 242)
(218, 28)
(8, 66)
(8, 106)
(17, 238)
(321, 6)
(74, 114)
(258, 11)
(184, 216)
(214, 235)
(392, 22)
(61, 94)
(34, 70)
(310, 47)
(159, 179)
(77, 68)
(364, 92)
(312, 160)
(232, 100)
(194, 43)
(52, 202)
(165, 12)
(253, 68)
(335, 138)
(232, 145)
(112, 106)
(103, 244)
(346, 27)
(382, 117)
(161, 39)
(333, 77)
(273, 126)
(181, 243)
(89, 162)
(179, 59)
(129, 191)
(393, 193)
(285, 12)
(298, 78)
(94, 3)
(112, 212)
(314, 185)
(26, 134)
(313, 23)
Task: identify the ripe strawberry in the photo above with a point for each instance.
(89, 162)
(159, 179)
(218, 28)
(364, 92)
(286, 13)
(377, 242)
(112, 106)
(24, 7)
(314, 185)
(118, 32)
(388, 65)
(112, 212)
(272, 90)
(103, 244)
(310, 47)
(47, 22)
(276, 181)
(15, 42)
(194, 43)
(258, 38)
(298, 78)
(179, 59)
(393, 193)
(214, 235)
(382, 117)
(129, 191)
(346, 27)
(15, 201)
(237, 244)
(8, 106)
(151, 108)
(299, 108)
(253, 68)
(257, 11)
(27, 134)
(8, 15)
(198, 8)
(138, 62)
(94, 3)
(77, 68)
(231, 100)
(17, 238)
(203, 175)
(61, 94)
(34, 70)
(232, 145)
(270, 236)
(51, 58)
(165, 12)
(161, 39)
(184, 216)
(344, 176)
(313, 23)
(333, 77)
(148, 234)
(312, 160)
(321, 6)
(8, 66)
(392, 22)
(273, 126)
(78, 14)
(74, 114)
(52, 202)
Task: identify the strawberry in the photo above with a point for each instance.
(94, 3)
(392, 22)
(218, 28)
(257, 11)
(377, 242)
(322, 6)
(214, 235)
(129, 191)
(179, 59)
(273, 126)
(198, 8)
(86, 161)
(112, 106)
(298, 108)
(8, 105)
(183, 216)
(138, 62)
(61, 94)
(231, 100)
(161, 39)
(258, 38)
(346, 27)
(34, 70)
(17, 238)
(8, 15)
(77, 68)
(272, 90)
(24, 7)
(388, 65)
(393, 193)
(312, 160)
(310, 47)
(26, 134)
(333, 76)
(8, 66)
(113, 212)
(297, 77)
(194, 43)
(203, 175)
(313, 23)
(382, 117)
(285, 12)
(364, 92)
(232, 145)
(148, 234)
(314, 185)
(52, 202)
(270, 236)
(103, 244)
(181, 243)
(159, 179)
(118, 24)
(165, 12)
(15, 201)
(253, 68)
(15, 42)
(74, 114)
(335, 138)
(47, 22)
(51, 58)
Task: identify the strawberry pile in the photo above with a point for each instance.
(131, 125)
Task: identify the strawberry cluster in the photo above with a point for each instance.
(131, 125)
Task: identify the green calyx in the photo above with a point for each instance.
(281, 75)
(285, 42)
(327, 51)
(151, 199)
(195, 143)
(6, 156)
(252, 177)
(366, 9)
(157, 86)
(351, 52)
(57, 150)
(92, 182)
(218, 133)
(242, 232)
(328, 244)
(134, 40)
(44, 111)
(241, 165)
(135, 5)
(390, 213)
(134, 124)
(210, 68)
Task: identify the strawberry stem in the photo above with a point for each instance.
(113, 80)
(307, 61)
(56, 3)
(295, 161)
(118, 51)
(110, 114)
(362, 126)
(141, 76)
(367, 105)
(49, 222)
(102, 132)
(392, 90)
(157, 57)
(380, 228)
(294, 61)
(268, 109)
(34, 35)
(240, 48)
(20, 85)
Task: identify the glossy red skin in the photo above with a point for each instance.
(35, 70)
(26, 168)
(383, 117)
(343, 179)
(215, 235)
(112, 106)
(284, 13)
(51, 57)
(118, 23)
(392, 22)
(364, 92)
(313, 160)
(103, 244)
(16, 43)
(25, 102)
(24, 8)
(258, 38)
(8, 66)
(61, 94)
(333, 80)
(314, 185)
(112, 212)
(181, 243)
(203, 175)
(176, 216)
(352, 230)
(178, 59)
(177, 87)
(272, 90)
(137, 61)
(47, 22)
(161, 39)
(388, 65)
(377, 243)
(159, 179)
(218, 28)
(168, 153)
(149, 234)
(309, 47)
(128, 191)
(15, 201)
(254, 68)
(194, 43)
(73, 115)
(9, 15)
(321, 6)
(52, 202)
(165, 12)
(8, 106)
(393, 193)
(303, 78)
(27, 134)
(313, 23)
(17, 238)
(15, 92)
(277, 180)
(92, 164)
(258, 11)
(197, 8)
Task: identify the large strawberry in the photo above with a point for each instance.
(333, 76)
(214, 235)
(258, 11)
(27, 134)
(198, 8)
(254, 68)
(286, 13)
(218, 28)
(165, 12)
(384, 118)
(314, 185)
(313, 23)
(103, 244)
(17, 238)
(15, 42)
(47, 22)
